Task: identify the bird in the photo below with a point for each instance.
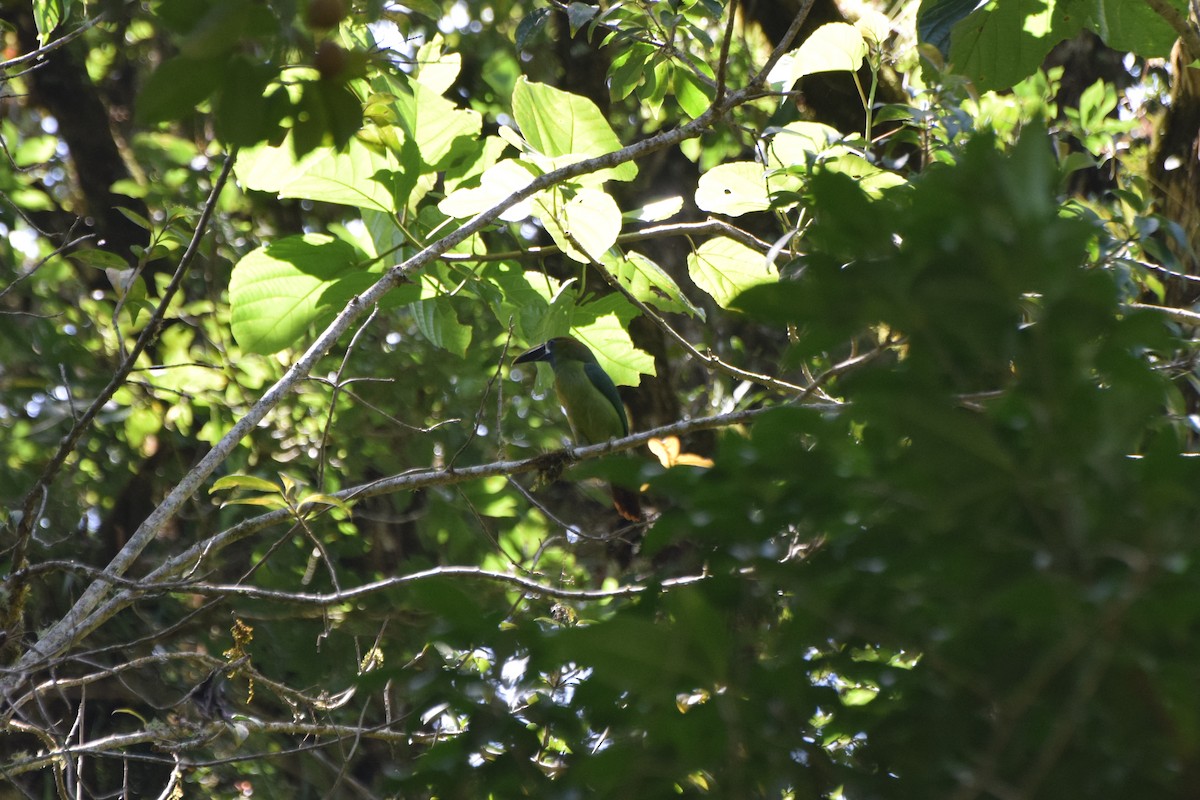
(589, 397)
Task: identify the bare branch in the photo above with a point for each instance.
(709, 226)
(49, 47)
(1177, 314)
(534, 587)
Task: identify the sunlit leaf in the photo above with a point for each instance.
(733, 189)
(248, 482)
(833, 47)
(609, 340)
(559, 123)
(725, 268)
(359, 176)
(279, 290)
(590, 219)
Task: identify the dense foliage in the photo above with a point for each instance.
(913, 364)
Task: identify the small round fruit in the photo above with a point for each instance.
(325, 14)
(330, 60)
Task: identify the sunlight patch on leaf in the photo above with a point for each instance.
(279, 290)
(834, 47)
(348, 178)
(725, 268)
(609, 340)
(733, 189)
(591, 219)
(558, 123)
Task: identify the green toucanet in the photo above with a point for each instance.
(589, 397)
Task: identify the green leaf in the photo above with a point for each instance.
(609, 340)
(100, 259)
(359, 176)
(937, 18)
(530, 26)
(327, 112)
(648, 282)
(325, 499)
(436, 70)
(518, 298)
(177, 87)
(1132, 27)
(434, 123)
(590, 219)
(733, 189)
(558, 123)
(279, 290)
(497, 183)
(725, 268)
(833, 47)
(795, 143)
(628, 68)
(656, 210)
(1001, 43)
(580, 14)
(693, 94)
(439, 324)
(47, 15)
(242, 115)
(248, 482)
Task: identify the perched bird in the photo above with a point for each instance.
(589, 397)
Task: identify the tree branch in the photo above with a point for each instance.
(709, 226)
(1180, 23)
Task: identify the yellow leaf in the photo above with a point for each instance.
(667, 452)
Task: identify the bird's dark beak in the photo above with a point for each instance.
(539, 353)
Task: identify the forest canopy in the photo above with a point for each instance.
(897, 302)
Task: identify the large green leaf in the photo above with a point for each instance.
(558, 123)
(936, 20)
(47, 14)
(1129, 26)
(725, 268)
(648, 282)
(1003, 42)
(733, 189)
(359, 176)
(176, 87)
(436, 70)
(434, 123)
(833, 47)
(609, 340)
(496, 184)
(244, 114)
(439, 324)
(590, 218)
(797, 142)
(279, 290)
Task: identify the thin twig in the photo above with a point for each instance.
(1177, 314)
(50, 47)
(17, 590)
(723, 61)
(709, 226)
(327, 599)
